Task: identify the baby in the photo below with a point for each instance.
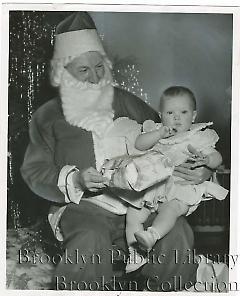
(176, 140)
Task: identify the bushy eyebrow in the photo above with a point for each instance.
(99, 63)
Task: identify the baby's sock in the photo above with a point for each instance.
(135, 260)
(154, 232)
(147, 238)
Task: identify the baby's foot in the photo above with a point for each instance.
(135, 260)
(147, 238)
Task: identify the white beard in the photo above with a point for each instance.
(87, 105)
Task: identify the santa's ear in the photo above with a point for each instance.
(160, 114)
(194, 116)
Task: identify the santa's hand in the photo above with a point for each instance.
(89, 179)
(200, 161)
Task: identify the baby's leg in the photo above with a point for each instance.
(166, 218)
(168, 213)
(134, 222)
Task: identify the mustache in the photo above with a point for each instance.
(69, 81)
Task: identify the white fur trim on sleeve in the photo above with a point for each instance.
(66, 186)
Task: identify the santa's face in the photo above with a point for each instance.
(86, 92)
(88, 67)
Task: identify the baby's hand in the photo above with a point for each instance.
(166, 132)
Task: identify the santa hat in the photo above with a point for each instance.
(75, 35)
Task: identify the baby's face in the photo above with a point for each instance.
(177, 113)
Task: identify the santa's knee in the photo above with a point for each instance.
(91, 240)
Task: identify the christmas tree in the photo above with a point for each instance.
(126, 74)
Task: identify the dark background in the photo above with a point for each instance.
(150, 52)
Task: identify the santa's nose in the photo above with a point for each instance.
(93, 77)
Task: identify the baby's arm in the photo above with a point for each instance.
(214, 160)
(147, 140)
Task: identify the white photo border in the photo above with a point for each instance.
(230, 7)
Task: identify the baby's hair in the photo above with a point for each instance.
(177, 91)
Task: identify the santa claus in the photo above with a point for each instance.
(63, 160)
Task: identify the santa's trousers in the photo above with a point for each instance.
(87, 263)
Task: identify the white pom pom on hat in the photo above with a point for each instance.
(76, 35)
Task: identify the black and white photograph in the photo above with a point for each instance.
(163, 79)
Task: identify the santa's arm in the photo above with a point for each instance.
(67, 184)
(39, 170)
